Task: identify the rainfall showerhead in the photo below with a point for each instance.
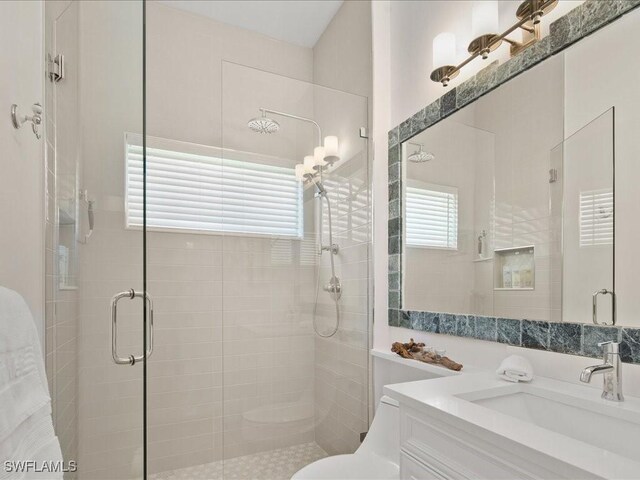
(263, 124)
(420, 156)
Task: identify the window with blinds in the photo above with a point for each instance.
(431, 216)
(191, 188)
(596, 217)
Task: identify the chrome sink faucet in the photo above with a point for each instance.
(611, 370)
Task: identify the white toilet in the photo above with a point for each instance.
(377, 458)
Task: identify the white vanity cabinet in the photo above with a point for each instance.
(437, 449)
(477, 426)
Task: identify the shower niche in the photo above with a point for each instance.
(66, 246)
(514, 268)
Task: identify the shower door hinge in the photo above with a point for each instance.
(56, 68)
(363, 132)
(553, 175)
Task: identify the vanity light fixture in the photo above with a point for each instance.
(484, 26)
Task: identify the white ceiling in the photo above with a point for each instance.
(294, 21)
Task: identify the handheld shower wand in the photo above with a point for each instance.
(334, 287)
(265, 124)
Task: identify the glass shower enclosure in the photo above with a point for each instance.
(191, 326)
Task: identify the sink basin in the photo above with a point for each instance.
(607, 425)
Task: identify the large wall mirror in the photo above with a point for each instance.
(524, 203)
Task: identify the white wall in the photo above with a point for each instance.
(342, 55)
(413, 27)
(22, 179)
(381, 108)
(415, 91)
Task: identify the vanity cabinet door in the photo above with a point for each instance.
(443, 450)
(412, 469)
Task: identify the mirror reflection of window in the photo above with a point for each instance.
(596, 217)
(432, 216)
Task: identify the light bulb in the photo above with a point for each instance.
(309, 163)
(300, 171)
(318, 155)
(444, 50)
(484, 18)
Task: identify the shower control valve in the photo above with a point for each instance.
(333, 248)
(334, 288)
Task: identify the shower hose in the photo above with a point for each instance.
(333, 281)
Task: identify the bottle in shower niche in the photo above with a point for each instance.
(526, 277)
(516, 277)
(506, 276)
(482, 244)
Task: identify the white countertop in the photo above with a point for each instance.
(447, 396)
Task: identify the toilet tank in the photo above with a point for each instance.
(383, 438)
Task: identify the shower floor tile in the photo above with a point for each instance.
(278, 464)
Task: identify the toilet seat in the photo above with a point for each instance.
(367, 466)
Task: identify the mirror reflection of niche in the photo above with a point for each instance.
(448, 204)
(496, 152)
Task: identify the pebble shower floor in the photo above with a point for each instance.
(278, 464)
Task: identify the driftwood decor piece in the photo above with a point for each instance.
(416, 351)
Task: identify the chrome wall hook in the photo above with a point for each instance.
(36, 119)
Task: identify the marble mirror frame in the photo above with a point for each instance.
(562, 337)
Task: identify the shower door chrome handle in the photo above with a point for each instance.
(614, 309)
(131, 359)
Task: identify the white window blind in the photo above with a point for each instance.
(203, 192)
(432, 216)
(596, 217)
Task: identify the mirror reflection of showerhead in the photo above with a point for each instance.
(420, 156)
(263, 124)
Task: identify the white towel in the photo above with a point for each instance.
(26, 425)
(515, 369)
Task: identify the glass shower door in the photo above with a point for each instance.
(92, 251)
(240, 385)
(294, 348)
